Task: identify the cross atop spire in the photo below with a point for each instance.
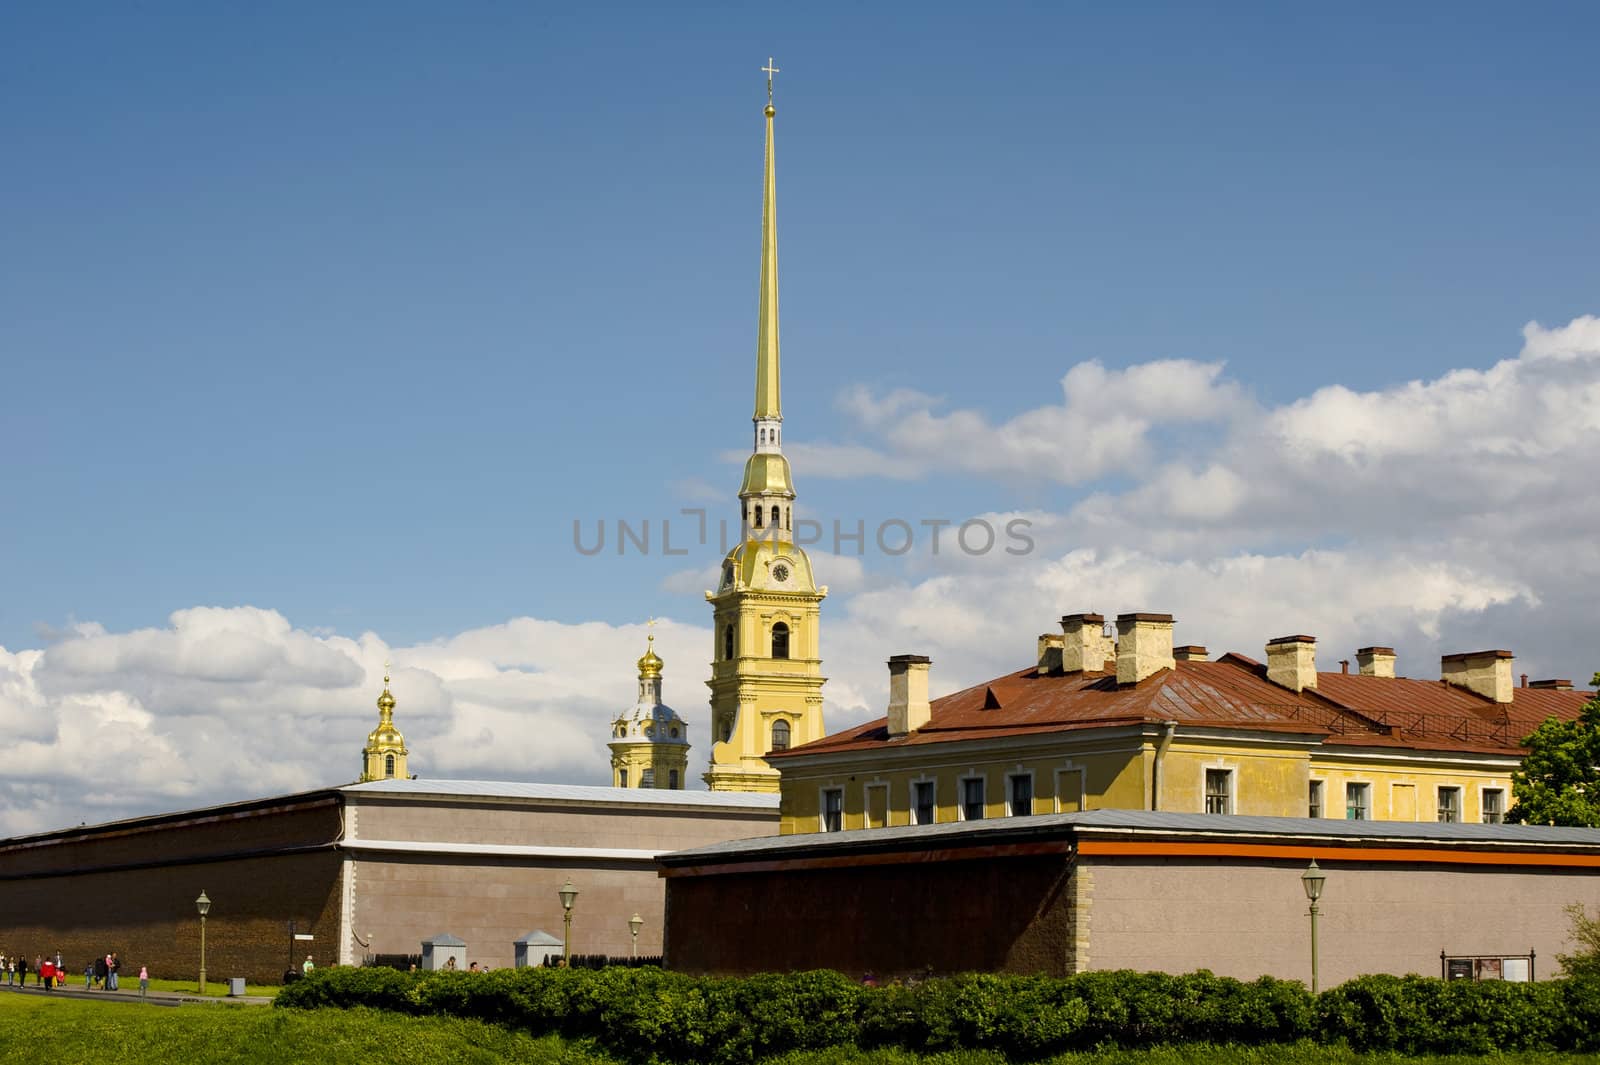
(771, 70)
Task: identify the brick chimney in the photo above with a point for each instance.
(1144, 646)
(1189, 652)
(1552, 685)
(1375, 661)
(1292, 662)
(1488, 673)
(1050, 653)
(1084, 646)
(908, 694)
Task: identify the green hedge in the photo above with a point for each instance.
(654, 1016)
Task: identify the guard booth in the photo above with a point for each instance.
(535, 947)
(437, 952)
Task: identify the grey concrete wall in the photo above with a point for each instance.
(1248, 919)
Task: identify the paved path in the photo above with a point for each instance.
(154, 998)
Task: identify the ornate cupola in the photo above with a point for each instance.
(766, 670)
(384, 756)
(650, 742)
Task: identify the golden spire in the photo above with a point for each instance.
(650, 664)
(385, 701)
(768, 405)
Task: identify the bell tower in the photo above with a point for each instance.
(650, 743)
(766, 670)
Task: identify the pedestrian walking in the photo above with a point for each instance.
(113, 965)
(144, 982)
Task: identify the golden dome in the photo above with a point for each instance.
(650, 664)
(386, 701)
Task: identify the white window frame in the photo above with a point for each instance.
(1033, 793)
(933, 807)
(1230, 777)
(822, 807)
(1366, 794)
(961, 794)
(867, 791)
(1438, 803)
(1483, 813)
(1321, 787)
(1083, 788)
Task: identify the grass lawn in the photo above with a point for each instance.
(34, 1028)
(187, 986)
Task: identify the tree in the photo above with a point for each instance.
(1559, 781)
(1585, 961)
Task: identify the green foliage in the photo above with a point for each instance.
(1585, 961)
(654, 1017)
(1559, 780)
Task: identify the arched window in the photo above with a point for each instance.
(780, 735)
(388, 765)
(775, 523)
(780, 640)
(672, 780)
(727, 643)
(622, 778)
(758, 516)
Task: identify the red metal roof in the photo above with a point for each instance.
(1233, 692)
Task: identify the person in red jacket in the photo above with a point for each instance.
(47, 973)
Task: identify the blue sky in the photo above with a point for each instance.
(348, 311)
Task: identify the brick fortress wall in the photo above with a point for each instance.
(130, 887)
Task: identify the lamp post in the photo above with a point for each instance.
(569, 895)
(1312, 880)
(634, 924)
(203, 904)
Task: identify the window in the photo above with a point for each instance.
(780, 735)
(1449, 805)
(672, 780)
(1021, 799)
(622, 778)
(647, 778)
(972, 799)
(774, 517)
(1494, 806)
(727, 643)
(922, 802)
(1219, 791)
(388, 765)
(1314, 800)
(1355, 802)
(758, 517)
(833, 810)
(780, 640)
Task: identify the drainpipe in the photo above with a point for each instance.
(1168, 729)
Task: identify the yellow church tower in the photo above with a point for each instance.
(384, 756)
(766, 671)
(650, 743)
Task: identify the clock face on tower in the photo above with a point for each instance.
(780, 573)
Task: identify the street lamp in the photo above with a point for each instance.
(569, 895)
(203, 904)
(634, 924)
(1312, 880)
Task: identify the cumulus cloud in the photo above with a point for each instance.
(1101, 426)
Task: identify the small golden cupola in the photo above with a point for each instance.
(649, 742)
(384, 756)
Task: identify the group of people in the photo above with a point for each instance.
(50, 972)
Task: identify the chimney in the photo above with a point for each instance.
(1375, 661)
(1487, 673)
(908, 694)
(1189, 652)
(1049, 653)
(1292, 662)
(1144, 646)
(1084, 643)
(1550, 685)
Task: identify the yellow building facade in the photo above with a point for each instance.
(649, 743)
(384, 756)
(1134, 723)
(766, 670)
